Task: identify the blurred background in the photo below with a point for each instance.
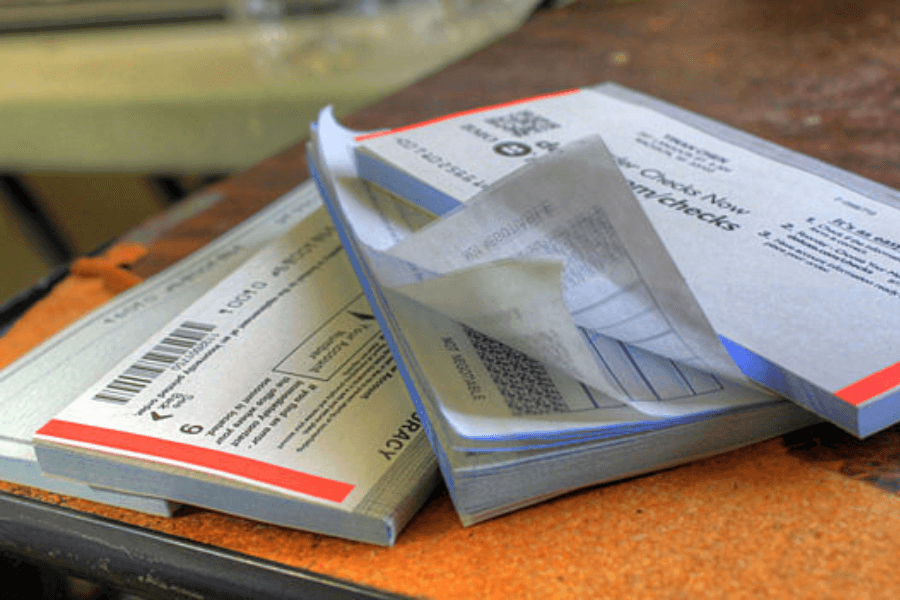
(113, 110)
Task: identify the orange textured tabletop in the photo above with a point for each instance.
(814, 514)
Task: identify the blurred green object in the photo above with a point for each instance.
(219, 95)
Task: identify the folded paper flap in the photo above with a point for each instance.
(485, 265)
(519, 303)
(572, 206)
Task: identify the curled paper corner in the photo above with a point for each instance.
(518, 302)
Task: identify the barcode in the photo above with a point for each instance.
(522, 123)
(154, 363)
(525, 384)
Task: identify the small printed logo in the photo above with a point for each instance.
(512, 149)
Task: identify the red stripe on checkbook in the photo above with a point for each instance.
(375, 134)
(304, 483)
(868, 387)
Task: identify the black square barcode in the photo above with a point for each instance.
(522, 123)
(524, 383)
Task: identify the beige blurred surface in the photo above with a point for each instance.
(91, 107)
(217, 95)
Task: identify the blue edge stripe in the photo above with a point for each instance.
(376, 302)
(427, 197)
(862, 420)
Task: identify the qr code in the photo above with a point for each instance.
(522, 123)
(524, 382)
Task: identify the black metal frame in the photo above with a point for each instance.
(152, 564)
